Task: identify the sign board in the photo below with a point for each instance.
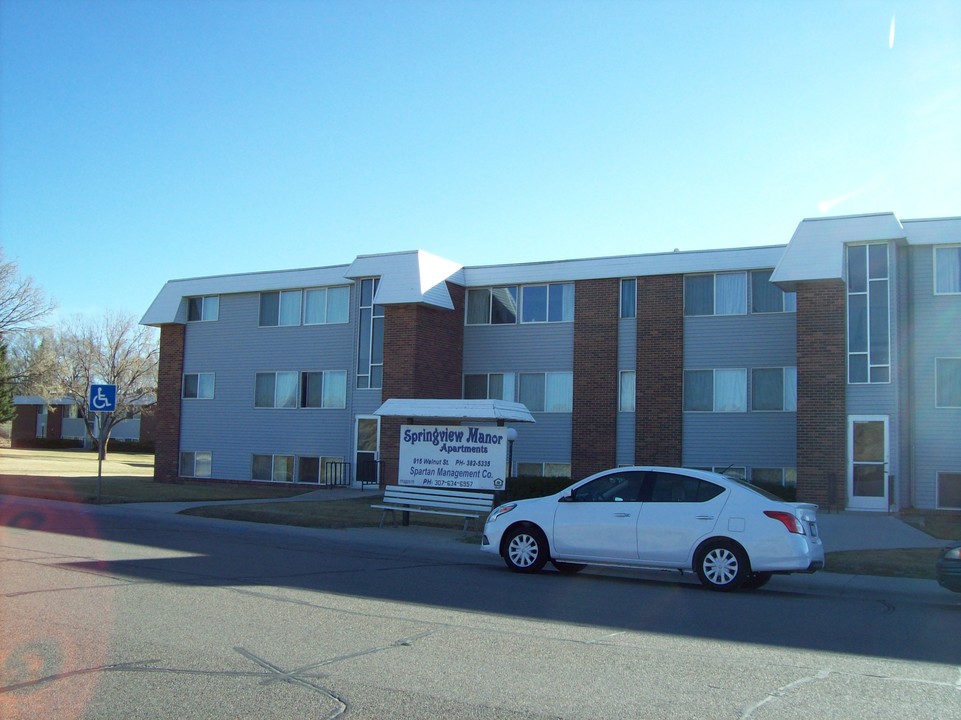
(462, 457)
(103, 398)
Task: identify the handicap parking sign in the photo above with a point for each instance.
(103, 398)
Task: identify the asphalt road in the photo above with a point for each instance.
(110, 612)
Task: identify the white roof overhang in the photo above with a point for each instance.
(479, 410)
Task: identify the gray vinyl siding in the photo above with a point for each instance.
(548, 440)
(234, 348)
(533, 347)
(749, 439)
(527, 348)
(625, 453)
(937, 431)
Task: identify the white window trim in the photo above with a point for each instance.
(934, 268)
(183, 385)
(936, 405)
(714, 409)
(326, 374)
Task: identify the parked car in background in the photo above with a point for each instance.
(949, 567)
(730, 533)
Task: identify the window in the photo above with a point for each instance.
(370, 349)
(769, 298)
(774, 389)
(615, 487)
(195, 464)
(327, 389)
(278, 468)
(561, 470)
(280, 308)
(767, 476)
(629, 298)
(947, 374)
(715, 390)
(547, 392)
(276, 390)
(869, 358)
(492, 306)
(547, 303)
(672, 487)
(203, 308)
(198, 386)
(492, 386)
(715, 294)
(949, 490)
(625, 392)
(326, 470)
(326, 306)
(947, 270)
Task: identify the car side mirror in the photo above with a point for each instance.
(567, 498)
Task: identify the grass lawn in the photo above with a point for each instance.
(134, 490)
(905, 563)
(351, 513)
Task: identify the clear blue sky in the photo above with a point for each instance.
(144, 140)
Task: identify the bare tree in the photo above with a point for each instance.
(22, 304)
(113, 350)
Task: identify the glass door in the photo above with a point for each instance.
(367, 448)
(868, 462)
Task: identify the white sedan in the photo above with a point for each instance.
(732, 534)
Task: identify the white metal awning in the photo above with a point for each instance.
(481, 410)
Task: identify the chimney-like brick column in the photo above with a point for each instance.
(822, 383)
(660, 370)
(594, 419)
(169, 375)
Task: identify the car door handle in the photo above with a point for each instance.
(622, 514)
(704, 517)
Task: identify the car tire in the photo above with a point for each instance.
(525, 549)
(568, 568)
(722, 566)
(756, 580)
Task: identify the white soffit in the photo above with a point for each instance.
(168, 306)
(816, 251)
(933, 231)
(625, 266)
(485, 410)
(409, 277)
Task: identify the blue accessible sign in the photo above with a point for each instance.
(103, 398)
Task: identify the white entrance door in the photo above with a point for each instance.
(367, 451)
(868, 462)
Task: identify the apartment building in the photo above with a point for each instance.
(832, 363)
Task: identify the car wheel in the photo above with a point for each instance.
(568, 568)
(525, 550)
(756, 580)
(722, 566)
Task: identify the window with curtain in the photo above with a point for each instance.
(774, 389)
(629, 298)
(948, 382)
(715, 294)
(947, 270)
(492, 306)
(721, 390)
(326, 306)
(547, 303)
(547, 392)
(275, 390)
(626, 394)
(767, 297)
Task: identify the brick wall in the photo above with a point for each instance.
(167, 414)
(24, 426)
(660, 371)
(822, 382)
(423, 358)
(594, 420)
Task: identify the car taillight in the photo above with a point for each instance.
(789, 521)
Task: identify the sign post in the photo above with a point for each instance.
(102, 400)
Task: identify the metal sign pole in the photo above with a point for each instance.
(99, 453)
